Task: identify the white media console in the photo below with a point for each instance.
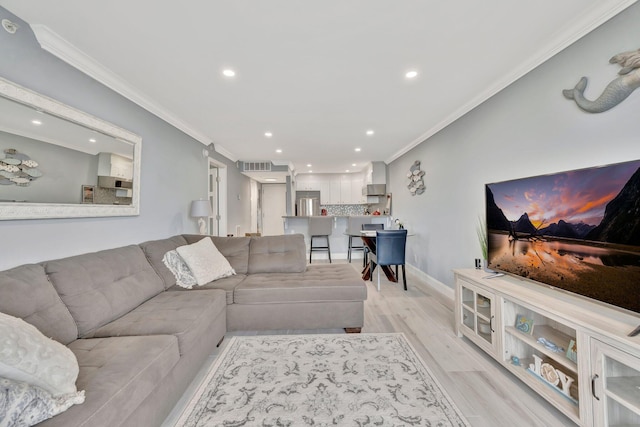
(598, 385)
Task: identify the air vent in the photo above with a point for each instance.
(256, 166)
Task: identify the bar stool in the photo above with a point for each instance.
(320, 227)
(354, 226)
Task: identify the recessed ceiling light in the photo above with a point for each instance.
(308, 165)
(270, 179)
(268, 134)
(353, 164)
(36, 122)
(278, 150)
(310, 171)
(358, 149)
(411, 74)
(370, 132)
(347, 170)
(92, 140)
(228, 72)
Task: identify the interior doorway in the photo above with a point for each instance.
(274, 207)
(217, 192)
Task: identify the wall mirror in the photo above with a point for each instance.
(59, 162)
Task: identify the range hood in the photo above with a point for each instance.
(113, 182)
(374, 190)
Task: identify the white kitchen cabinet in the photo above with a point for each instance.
(345, 190)
(307, 182)
(356, 190)
(325, 192)
(110, 164)
(334, 190)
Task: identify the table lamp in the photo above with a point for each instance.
(201, 209)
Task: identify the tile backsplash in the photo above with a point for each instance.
(344, 210)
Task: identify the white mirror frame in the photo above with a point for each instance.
(13, 211)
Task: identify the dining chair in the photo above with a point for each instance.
(320, 227)
(390, 251)
(354, 225)
(369, 226)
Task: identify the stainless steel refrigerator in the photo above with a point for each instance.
(308, 207)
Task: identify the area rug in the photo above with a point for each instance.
(320, 380)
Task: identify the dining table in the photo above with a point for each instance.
(369, 240)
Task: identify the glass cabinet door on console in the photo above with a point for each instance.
(476, 313)
(615, 384)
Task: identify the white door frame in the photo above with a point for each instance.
(254, 206)
(221, 209)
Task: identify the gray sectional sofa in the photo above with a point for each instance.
(139, 339)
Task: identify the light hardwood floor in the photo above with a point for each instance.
(486, 393)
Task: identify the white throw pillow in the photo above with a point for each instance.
(205, 261)
(23, 405)
(28, 356)
(180, 269)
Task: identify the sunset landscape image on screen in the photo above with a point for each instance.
(577, 230)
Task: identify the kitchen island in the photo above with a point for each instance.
(338, 240)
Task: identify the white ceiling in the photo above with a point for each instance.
(18, 119)
(317, 74)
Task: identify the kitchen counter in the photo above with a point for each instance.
(338, 240)
(340, 216)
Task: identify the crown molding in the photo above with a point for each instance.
(223, 151)
(590, 21)
(61, 48)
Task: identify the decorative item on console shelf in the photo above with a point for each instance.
(557, 379)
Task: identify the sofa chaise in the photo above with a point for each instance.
(139, 339)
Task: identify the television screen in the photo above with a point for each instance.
(578, 231)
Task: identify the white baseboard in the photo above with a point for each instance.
(437, 285)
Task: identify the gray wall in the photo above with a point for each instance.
(174, 172)
(527, 129)
(64, 171)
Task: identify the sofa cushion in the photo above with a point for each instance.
(26, 292)
(155, 250)
(228, 284)
(117, 374)
(102, 286)
(277, 254)
(205, 261)
(234, 249)
(319, 283)
(186, 315)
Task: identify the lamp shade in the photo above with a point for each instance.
(200, 208)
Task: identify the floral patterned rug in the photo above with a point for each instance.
(320, 380)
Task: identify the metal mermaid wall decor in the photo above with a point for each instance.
(617, 91)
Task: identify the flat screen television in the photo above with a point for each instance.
(578, 231)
